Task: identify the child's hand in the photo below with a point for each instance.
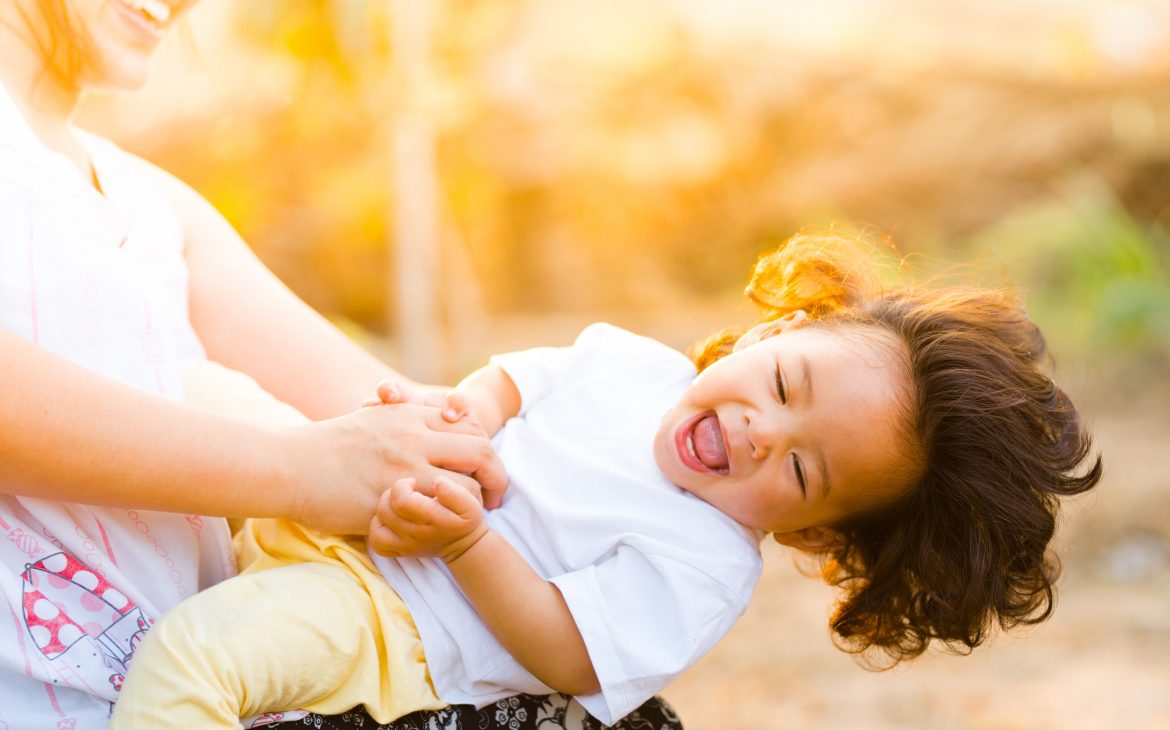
(454, 405)
(443, 520)
(392, 392)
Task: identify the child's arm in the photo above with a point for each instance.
(526, 613)
(491, 397)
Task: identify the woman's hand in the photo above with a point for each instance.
(441, 520)
(343, 465)
(453, 405)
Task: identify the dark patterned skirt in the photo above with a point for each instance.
(523, 712)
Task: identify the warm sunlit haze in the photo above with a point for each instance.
(452, 179)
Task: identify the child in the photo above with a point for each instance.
(908, 436)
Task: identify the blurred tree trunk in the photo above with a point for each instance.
(415, 190)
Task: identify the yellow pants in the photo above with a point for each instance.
(309, 623)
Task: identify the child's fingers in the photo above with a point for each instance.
(455, 406)
(401, 505)
(457, 499)
(390, 392)
(371, 402)
(383, 540)
(417, 508)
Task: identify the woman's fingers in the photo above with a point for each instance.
(472, 455)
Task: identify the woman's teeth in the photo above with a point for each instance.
(156, 11)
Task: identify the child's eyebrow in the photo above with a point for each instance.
(807, 383)
(825, 486)
(806, 379)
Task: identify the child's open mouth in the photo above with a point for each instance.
(701, 445)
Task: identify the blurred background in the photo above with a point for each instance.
(453, 178)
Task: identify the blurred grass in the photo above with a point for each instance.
(1095, 278)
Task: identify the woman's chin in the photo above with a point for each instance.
(119, 77)
(116, 66)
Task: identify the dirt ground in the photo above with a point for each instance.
(1101, 662)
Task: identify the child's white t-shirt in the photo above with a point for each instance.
(99, 280)
(654, 576)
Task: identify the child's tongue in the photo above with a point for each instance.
(708, 442)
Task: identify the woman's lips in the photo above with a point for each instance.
(136, 13)
(685, 445)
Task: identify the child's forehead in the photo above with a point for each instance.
(868, 344)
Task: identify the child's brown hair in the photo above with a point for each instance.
(967, 544)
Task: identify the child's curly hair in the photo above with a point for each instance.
(967, 544)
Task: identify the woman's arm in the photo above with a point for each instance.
(526, 613)
(67, 433)
(249, 321)
(70, 434)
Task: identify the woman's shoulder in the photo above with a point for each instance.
(25, 174)
(110, 156)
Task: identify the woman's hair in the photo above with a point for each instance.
(967, 544)
(62, 45)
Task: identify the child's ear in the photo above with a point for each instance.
(772, 327)
(810, 539)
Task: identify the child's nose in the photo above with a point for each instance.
(766, 433)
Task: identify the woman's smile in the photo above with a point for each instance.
(147, 18)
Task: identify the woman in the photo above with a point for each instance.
(113, 274)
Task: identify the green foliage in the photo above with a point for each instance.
(1096, 279)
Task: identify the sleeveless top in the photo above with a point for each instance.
(99, 279)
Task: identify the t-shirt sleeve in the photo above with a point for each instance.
(543, 370)
(645, 619)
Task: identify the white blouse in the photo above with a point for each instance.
(98, 278)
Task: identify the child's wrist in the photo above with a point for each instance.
(456, 549)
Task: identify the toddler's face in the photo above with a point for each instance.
(792, 431)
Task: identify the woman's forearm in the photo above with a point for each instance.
(250, 321)
(69, 434)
